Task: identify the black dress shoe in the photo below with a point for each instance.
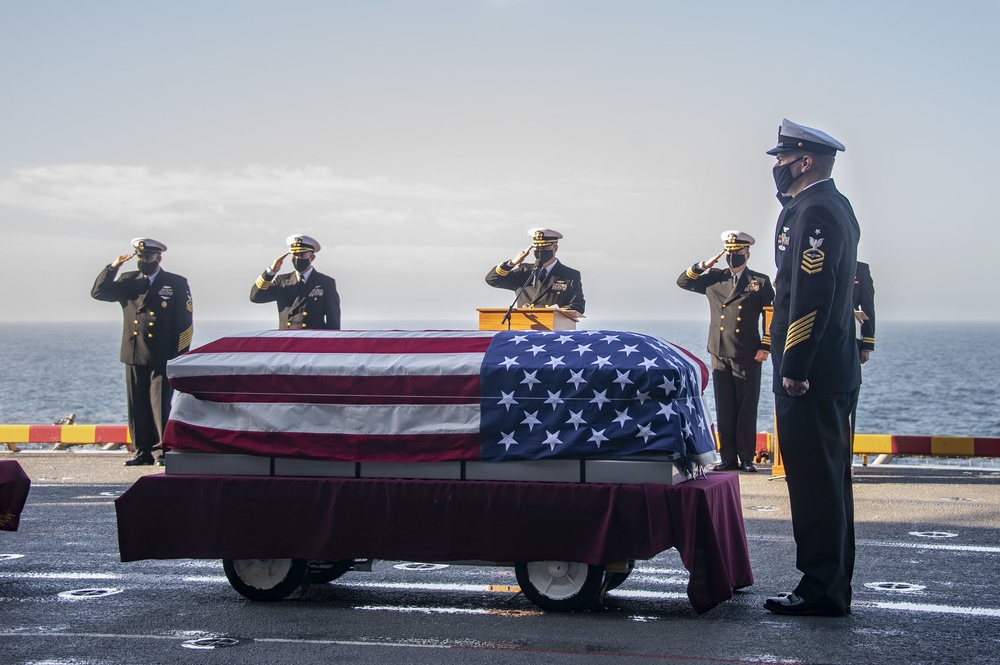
(792, 605)
(160, 461)
(726, 466)
(139, 460)
(748, 467)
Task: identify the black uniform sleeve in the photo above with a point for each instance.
(105, 288)
(184, 321)
(577, 302)
(332, 304)
(261, 291)
(767, 300)
(867, 305)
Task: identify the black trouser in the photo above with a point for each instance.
(814, 435)
(149, 396)
(736, 382)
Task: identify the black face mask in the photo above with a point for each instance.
(783, 178)
(301, 265)
(543, 255)
(736, 261)
(148, 269)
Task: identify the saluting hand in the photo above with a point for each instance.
(712, 261)
(121, 259)
(520, 257)
(276, 266)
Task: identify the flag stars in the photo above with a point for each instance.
(629, 349)
(600, 399)
(551, 440)
(554, 400)
(576, 419)
(562, 339)
(668, 386)
(622, 379)
(582, 349)
(507, 400)
(517, 339)
(666, 410)
(642, 397)
(610, 338)
(555, 362)
(602, 361)
(508, 362)
(576, 378)
(530, 379)
(535, 350)
(645, 432)
(531, 419)
(507, 441)
(648, 363)
(597, 436)
(622, 418)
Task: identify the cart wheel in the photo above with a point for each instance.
(265, 579)
(321, 572)
(559, 586)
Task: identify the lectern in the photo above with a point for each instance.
(528, 318)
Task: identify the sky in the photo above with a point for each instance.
(418, 141)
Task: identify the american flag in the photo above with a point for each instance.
(423, 396)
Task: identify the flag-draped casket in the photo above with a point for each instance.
(433, 396)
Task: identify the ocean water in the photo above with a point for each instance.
(923, 379)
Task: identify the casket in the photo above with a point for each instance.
(345, 398)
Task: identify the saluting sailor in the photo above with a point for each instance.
(817, 372)
(737, 341)
(306, 298)
(158, 324)
(547, 281)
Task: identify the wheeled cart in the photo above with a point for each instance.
(566, 541)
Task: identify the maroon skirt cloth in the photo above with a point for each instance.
(248, 517)
(14, 486)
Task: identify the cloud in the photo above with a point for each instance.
(145, 195)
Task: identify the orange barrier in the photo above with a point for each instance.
(897, 444)
(64, 435)
(934, 446)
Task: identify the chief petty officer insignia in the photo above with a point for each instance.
(812, 258)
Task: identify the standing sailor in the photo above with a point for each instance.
(546, 282)
(157, 313)
(816, 369)
(738, 342)
(306, 298)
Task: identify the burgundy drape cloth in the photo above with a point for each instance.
(14, 486)
(243, 517)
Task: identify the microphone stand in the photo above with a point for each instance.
(532, 276)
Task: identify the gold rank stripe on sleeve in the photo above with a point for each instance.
(501, 271)
(184, 341)
(800, 330)
(868, 340)
(692, 274)
(812, 260)
(263, 284)
(766, 339)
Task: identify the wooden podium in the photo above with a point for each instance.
(528, 318)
